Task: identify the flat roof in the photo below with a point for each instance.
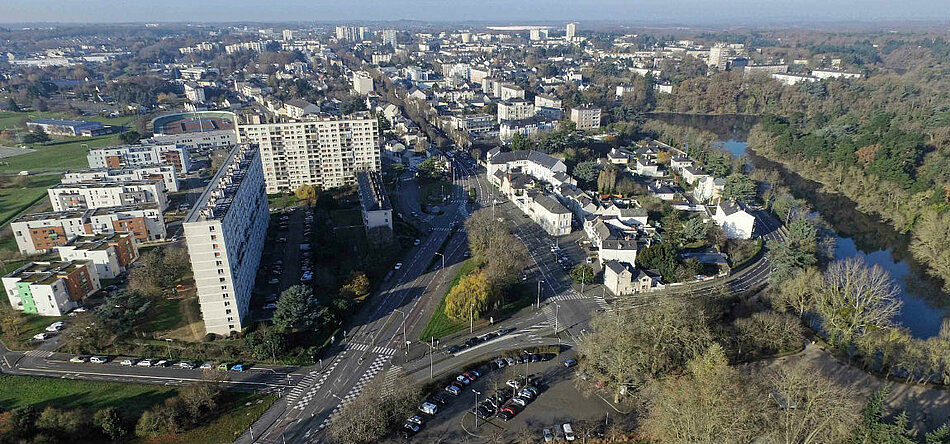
(215, 201)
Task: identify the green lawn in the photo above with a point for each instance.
(439, 324)
(165, 314)
(14, 200)
(15, 120)
(130, 399)
(242, 410)
(60, 154)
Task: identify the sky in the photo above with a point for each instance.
(522, 11)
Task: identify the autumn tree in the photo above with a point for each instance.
(856, 298)
(307, 193)
(471, 297)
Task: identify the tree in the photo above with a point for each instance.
(520, 142)
(806, 407)
(378, 408)
(266, 343)
(712, 402)
(470, 297)
(63, 423)
(296, 310)
(200, 398)
(582, 274)
(12, 105)
(694, 230)
(660, 256)
(587, 171)
(798, 292)
(307, 193)
(431, 168)
(739, 187)
(626, 348)
(856, 298)
(22, 421)
(873, 428)
(109, 421)
(12, 324)
(130, 137)
(121, 310)
(357, 286)
(38, 135)
(767, 333)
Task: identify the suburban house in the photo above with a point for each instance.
(734, 219)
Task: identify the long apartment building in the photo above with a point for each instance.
(84, 196)
(124, 156)
(50, 288)
(313, 150)
(225, 232)
(111, 254)
(163, 172)
(196, 140)
(42, 232)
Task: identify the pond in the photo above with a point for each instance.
(926, 309)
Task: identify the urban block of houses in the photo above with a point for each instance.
(111, 254)
(163, 172)
(734, 219)
(50, 288)
(42, 232)
(375, 207)
(622, 279)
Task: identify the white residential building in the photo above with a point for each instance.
(571, 31)
(194, 92)
(623, 278)
(374, 206)
(50, 288)
(41, 232)
(297, 108)
(586, 118)
(84, 196)
(165, 173)
(515, 110)
(362, 82)
(533, 163)
(139, 155)
(546, 101)
(193, 140)
(111, 254)
(225, 232)
(834, 74)
(322, 151)
(508, 91)
(734, 220)
(145, 221)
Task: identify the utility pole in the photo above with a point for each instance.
(556, 309)
(471, 318)
(406, 341)
(539, 292)
(475, 410)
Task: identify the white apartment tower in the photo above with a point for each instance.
(571, 31)
(313, 150)
(389, 37)
(225, 232)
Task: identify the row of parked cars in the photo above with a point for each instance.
(134, 362)
(473, 341)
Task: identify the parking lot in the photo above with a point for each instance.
(286, 258)
(557, 402)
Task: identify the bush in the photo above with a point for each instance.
(109, 422)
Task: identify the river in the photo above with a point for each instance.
(926, 309)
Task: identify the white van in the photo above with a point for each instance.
(428, 408)
(568, 432)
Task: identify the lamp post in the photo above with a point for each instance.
(556, 309)
(431, 352)
(403, 328)
(475, 409)
(443, 266)
(539, 292)
(471, 318)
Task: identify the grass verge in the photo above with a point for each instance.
(14, 201)
(130, 399)
(241, 411)
(439, 324)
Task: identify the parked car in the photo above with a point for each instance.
(42, 336)
(270, 306)
(428, 408)
(570, 362)
(454, 389)
(98, 359)
(273, 281)
(206, 366)
(223, 367)
(185, 364)
(505, 416)
(237, 368)
(398, 265)
(418, 420)
(463, 379)
(78, 359)
(453, 349)
(438, 399)
(416, 242)
(144, 363)
(568, 432)
(520, 401)
(128, 362)
(513, 383)
(54, 327)
(501, 363)
(411, 428)
(548, 436)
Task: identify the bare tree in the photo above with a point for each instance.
(856, 298)
(806, 407)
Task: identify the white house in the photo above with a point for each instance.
(734, 220)
(693, 174)
(622, 278)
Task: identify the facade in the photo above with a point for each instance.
(61, 127)
(533, 163)
(111, 254)
(719, 56)
(144, 221)
(526, 127)
(734, 220)
(320, 151)
(140, 155)
(50, 288)
(84, 196)
(621, 278)
(515, 110)
(225, 232)
(41, 232)
(546, 101)
(195, 140)
(362, 82)
(830, 73)
(389, 37)
(165, 173)
(570, 32)
(375, 206)
(586, 118)
(194, 92)
(547, 212)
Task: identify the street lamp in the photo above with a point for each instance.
(556, 309)
(539, 292)
(471, 318)
(475, 410)
(431, 353)
(403, 329)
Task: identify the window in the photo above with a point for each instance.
(230, 319)
(214, 237)
(221, 279)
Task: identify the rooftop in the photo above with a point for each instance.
(372, 193)
(216, 199)
(72, 123)
(51, 215)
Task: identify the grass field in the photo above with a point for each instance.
(164, 315)
(439, 324)
(130, 399)
(15, 120)
(14, 200)
(242, 410)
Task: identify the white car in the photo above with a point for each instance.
(427, 408)
(98, 359)
(186, 365)
(128, 362)
(206, 366)
(416, 242)
(568, 432)
(398, 265)
(56, 326)
(77, 359)
(145, 363)
(42, 336)
(161, 363)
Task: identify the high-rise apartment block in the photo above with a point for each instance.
(571, 31)
(139, 155)
(586, 118)
(85, 196)
(163, 172)
(225, 232)
(389, 37)
(315, 150)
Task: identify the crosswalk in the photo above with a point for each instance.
(308, 387)
(367, 376)
(380, 350)
(575, 296)
(39, 353)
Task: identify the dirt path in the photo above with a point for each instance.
(927, 407)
